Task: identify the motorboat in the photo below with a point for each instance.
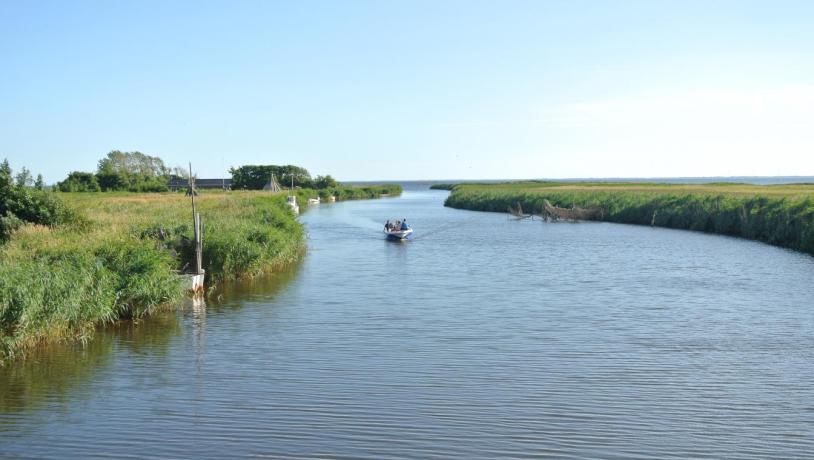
(397, 230)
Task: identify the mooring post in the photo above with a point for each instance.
(198, 245)
(191, 189)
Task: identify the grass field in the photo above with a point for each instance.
(782, 215)
(117, 258)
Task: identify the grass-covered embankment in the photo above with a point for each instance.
(781, 215)
(118, 259)
(353, 193)
(115, 255)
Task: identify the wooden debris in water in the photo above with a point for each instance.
(574, 214)
(518, 212)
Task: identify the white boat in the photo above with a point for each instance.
(292, 201)
(397, 231)
(313, 201)
(398, 234)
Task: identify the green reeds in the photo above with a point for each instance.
(778, 215)
(118, 261)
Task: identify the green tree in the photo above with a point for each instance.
(79, 182)
(323, 182)
(24, 178)
(255, 177)
(5, 175)
(111, 181)
(132, 171)
(132, 164)
(39, 184)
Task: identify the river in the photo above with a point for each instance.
(483, 337)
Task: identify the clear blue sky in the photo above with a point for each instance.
(413, 90)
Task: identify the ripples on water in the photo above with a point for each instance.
(483, 338)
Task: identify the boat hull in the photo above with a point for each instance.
(398, 234)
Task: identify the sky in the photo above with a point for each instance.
(393, 90)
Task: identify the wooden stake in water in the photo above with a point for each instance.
(196, 222)
(198, 245)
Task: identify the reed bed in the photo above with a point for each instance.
(781, 215)
(119, 261)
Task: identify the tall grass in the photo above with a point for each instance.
(781, 215)
(60, 283)
(442, 186)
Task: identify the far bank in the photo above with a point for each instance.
(781, 215)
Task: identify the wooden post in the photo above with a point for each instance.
(192, 190)
(198, 245)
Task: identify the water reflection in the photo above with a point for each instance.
(233, 294)
(55, 375)
(197, 306)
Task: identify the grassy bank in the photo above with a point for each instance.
(353, 193)
(116, 260)
(781, 215)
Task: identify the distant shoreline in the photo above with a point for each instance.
(756, 180)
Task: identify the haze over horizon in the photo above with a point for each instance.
(413, 91)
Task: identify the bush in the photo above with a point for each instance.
(20, 204)
(79, 182)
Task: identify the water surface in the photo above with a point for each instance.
(481, 338)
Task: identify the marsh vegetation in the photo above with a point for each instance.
(118, 254)
(781, 215)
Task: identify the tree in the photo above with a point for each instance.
(40, 183)
(111, 181)
(5, 175)
(132, 171)
(132, 164)
(180, 172)
(254, 177)
(24, 178)
(322, 182)
(79, 182)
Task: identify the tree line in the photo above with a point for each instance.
(138, 172)
(255, 177)
(122, 171)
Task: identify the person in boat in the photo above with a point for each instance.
(404, 225)
(387, 226)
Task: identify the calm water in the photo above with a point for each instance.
(482, 338)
